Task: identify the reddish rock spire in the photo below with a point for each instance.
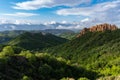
(100, 27)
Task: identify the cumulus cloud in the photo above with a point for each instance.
(105, 12)
(99, 13)
(88, 11)
(13, 27)
(15, 21)
(84, 20)
(71, 27)
(3, 21)
(37, 4)
(21, 14)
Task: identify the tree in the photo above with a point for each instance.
(45, 71)
(67, 78)
(83, 78)
(7, 51)
(31, 57)
(26, 78)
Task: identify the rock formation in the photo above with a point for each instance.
(100, 27)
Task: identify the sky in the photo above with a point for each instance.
(88, 12)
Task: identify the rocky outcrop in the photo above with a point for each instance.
(100, 27)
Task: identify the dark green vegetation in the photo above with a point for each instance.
(96, 51)
(57, 31)
(6, 36)
(36, 41)
(69, 36)
(13, 33)
(4, 39)
(91, 56)
(39, 66)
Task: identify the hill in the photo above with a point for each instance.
(58, 31)
(94, 55)
(68, 36)
(5, 39)
(12, 33)
(98, 51)
(38, 66)
(36, 41)
(6, 36)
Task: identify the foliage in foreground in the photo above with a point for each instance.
(37, 66)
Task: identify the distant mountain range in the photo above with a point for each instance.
(51, 31)
(4, 27)
(6, 36)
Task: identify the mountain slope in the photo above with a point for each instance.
(69, 36)
(36, 41)
(12, 33)
(90, 41)
(57, 31)
(6, 36)
(5, 39)
(99, 51)
(28, 66)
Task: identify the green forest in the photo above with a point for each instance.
(44, 56)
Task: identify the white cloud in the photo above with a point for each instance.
(106, 12)
(84, 20)
(71, 27)
(13, 27)
(21, 14)
(64, 22)
(14, 21)
(53, 22)
(37, 4)
(32, 4)
(87, 11)
(3, 21)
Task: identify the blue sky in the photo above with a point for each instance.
(41, 11)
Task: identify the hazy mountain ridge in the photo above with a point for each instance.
(42, 26)
(36, 41)
(9, 35)
(51, 31)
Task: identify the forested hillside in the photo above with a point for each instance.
(90, 55)
(59, 39)
(36, 41)
(38, 66)
(68, 36)
(6, 36)
(97, 51)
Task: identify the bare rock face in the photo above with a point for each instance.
(100, 27)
